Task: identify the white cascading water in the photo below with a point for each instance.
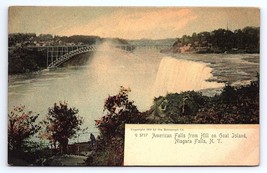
(176, 75)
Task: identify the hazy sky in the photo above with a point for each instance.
(129, 23)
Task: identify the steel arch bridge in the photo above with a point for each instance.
(57, 55)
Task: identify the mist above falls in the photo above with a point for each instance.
(111, 68)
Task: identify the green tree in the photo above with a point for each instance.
(177, 107)
(110, 144)
(120, 110)
(22, 60)
(21, 125)
(62, 123)
(222, 40)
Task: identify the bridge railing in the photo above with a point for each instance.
(70, 54)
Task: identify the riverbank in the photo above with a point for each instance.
(205, 50)
(246, 40)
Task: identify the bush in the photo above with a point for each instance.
(21, 126)
(62, 123)
(178, 108)
(110, 144)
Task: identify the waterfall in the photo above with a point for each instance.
(176, 75)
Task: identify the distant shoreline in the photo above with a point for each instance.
(194, 52)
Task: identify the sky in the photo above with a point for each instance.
(130, 22)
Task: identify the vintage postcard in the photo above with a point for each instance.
(133, 86)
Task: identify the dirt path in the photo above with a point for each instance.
(67, 160)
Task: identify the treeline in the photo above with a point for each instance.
(32, 39)
(15, 38)
(246, 40)
(79, 39)
(25, 60)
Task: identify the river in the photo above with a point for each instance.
(147, 72)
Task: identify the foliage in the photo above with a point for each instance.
(76, 39)
(62, 123)
(119, 111)
(178, 108)
(246, 40)
(110, 144)
(23, 60)
(28, 38)
(235, 105)
(35, 153)
(19, 38)
(21, 125)
(109, 152)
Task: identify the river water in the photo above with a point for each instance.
(147, 72)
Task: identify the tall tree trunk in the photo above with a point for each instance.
(64, 144)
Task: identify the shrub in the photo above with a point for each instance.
(62, 123)
(110, 144)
